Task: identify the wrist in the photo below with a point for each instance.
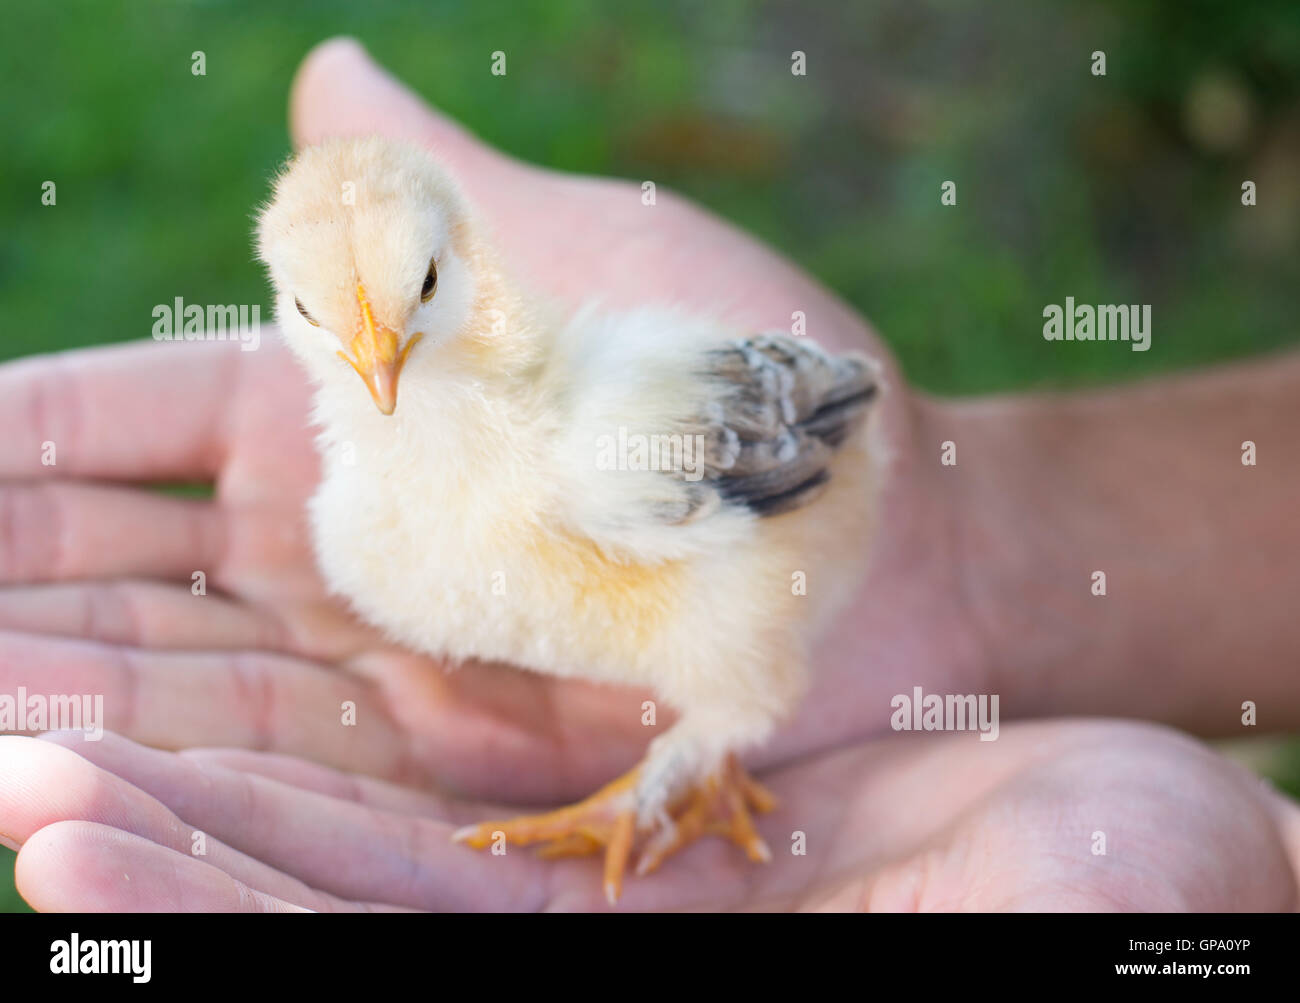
(1115, 556)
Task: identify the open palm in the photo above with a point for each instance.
(1051, 817)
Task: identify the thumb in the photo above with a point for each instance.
(340, 91)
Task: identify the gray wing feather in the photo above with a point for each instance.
(778, 407)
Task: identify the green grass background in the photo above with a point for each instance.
(1123, 188)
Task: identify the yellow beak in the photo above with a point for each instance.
(375, 356)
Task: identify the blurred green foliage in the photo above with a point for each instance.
(10, 900)
(1122, 188)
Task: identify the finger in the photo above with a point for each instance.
(44, 783)
(371, 792)
(88, 867)
(143, 410)
(61, 532)
(180, 699)
(340, 91)
(407, 858)
(403, 859)
(65, 532)
(138, 614)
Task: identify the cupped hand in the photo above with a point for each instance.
(99, 574)
(1052, 816)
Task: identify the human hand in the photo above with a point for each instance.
(97, 577)
(920, 823)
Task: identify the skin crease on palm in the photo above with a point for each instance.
(300, 812)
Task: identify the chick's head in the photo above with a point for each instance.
(368, 249)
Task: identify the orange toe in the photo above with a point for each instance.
(607, 818)
(721, 805)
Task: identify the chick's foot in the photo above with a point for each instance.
(606, 819)
(720, 804)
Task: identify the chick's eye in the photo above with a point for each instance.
(305, 315)
(430, 283)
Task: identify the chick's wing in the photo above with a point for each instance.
(677, 436)
(778, 409)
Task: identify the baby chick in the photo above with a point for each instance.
(643, 497)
